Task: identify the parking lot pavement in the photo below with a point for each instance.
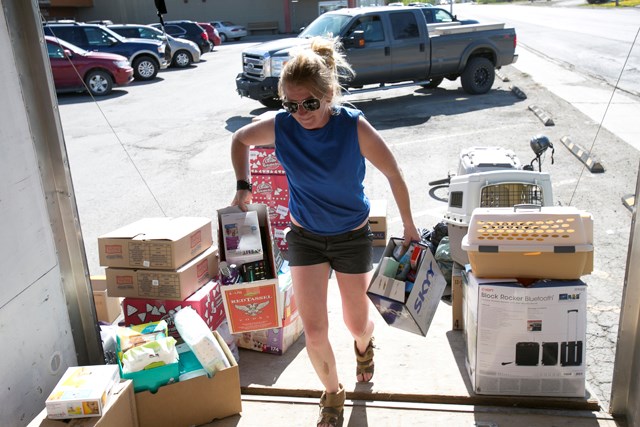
(162, 149)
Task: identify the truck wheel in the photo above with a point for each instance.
(478, 76)
(181, 59)
(144, 68)
(99, 82)
(272, 103)
(433, 83)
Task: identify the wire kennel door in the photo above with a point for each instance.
(506, 195)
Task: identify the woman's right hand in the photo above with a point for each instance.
(241, 199)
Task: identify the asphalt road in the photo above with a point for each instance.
(162, 148)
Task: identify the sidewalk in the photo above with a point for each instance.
(419, 381)
(616, 110)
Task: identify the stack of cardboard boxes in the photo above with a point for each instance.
(524, 305)
(160, 266)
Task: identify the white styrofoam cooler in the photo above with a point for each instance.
(541, 242)
(493, 188)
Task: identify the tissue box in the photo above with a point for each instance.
(120, 411)
(83, 391)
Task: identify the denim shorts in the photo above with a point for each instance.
(350, 252)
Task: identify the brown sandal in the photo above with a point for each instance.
(331, 408)
(364, 360)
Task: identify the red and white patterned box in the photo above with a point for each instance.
(207, 302)
(270, 187)
(279, 228)
(262, 160)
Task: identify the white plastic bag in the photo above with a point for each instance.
(195, 332)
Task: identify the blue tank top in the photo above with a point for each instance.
(325, 172)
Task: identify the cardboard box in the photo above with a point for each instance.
(270, 187)
(525, 340)
(275, 340)
(83, 391)
(252, 306)
(258, 305)
(156, 243)
(457, 320)
(164, 284)
(416, 313)
(279, 229)
(378, 221)
(195, 401)
(120, 411)
(263, 160)
(108, 309)
(206, 301)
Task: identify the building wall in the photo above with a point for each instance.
(291, 15)
(35, 328)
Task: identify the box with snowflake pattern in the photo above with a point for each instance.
(207, 302)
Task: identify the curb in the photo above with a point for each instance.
(590, 162)
(518, 92)
(542, 115)
(629, 201)
(501, 76)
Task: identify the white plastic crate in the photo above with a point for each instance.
(491, 189)
(553, 242)
(483, 159)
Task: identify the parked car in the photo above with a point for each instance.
(146, 56)
(229, 31)
(77, 70)
(187, 30)
(437, 15)
(183, 52)
(214, 36)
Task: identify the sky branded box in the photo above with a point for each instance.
(416, 312)
(156, 243)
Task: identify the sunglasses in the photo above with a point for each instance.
(311, 104)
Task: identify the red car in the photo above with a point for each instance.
(214, 36)
(76, 70)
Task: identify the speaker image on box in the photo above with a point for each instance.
(549, 353)
(527, 353)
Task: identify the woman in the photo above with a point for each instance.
(322, 147)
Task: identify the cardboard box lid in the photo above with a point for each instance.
(169, 229)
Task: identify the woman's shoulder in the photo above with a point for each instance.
(349, 112)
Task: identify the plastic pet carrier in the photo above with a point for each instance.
(540, 242)
(483, 159)
(491, 189)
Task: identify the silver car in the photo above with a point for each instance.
(183, 52)
(229, 30)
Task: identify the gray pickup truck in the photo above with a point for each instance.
(388, 47)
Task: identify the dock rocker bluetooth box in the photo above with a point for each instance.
(525, 341)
